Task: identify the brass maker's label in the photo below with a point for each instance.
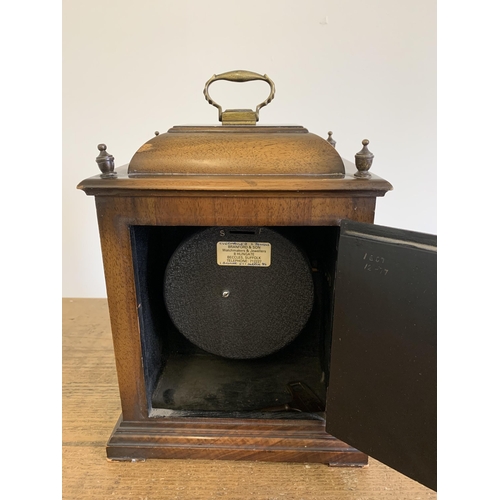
(243, 253)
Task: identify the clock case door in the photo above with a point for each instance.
(382, 389)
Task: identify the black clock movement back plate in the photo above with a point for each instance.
(241, 293)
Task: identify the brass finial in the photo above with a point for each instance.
(363, 161)
(157, 133)
(105, 162)
(331, 139)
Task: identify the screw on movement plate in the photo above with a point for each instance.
(225, 293)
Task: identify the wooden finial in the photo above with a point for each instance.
(363, 161)
(331, 140)
(105, 162)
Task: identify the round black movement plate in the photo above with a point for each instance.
(239, 292)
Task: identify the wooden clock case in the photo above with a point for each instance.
(223, 176)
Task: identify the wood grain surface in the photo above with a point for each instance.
(241, 185)
(236, 150)
(91, 406)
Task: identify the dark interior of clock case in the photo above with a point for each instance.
(184, 380)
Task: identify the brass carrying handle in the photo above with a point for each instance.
(239, 116)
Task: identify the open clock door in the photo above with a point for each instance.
(382, 389)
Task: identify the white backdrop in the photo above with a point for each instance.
(362, 68)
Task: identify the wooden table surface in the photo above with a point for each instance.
(91, 406)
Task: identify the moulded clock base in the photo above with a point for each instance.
(230, 439)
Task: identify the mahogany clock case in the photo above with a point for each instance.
(188, 387)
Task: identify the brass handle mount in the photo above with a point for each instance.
(239, 116)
